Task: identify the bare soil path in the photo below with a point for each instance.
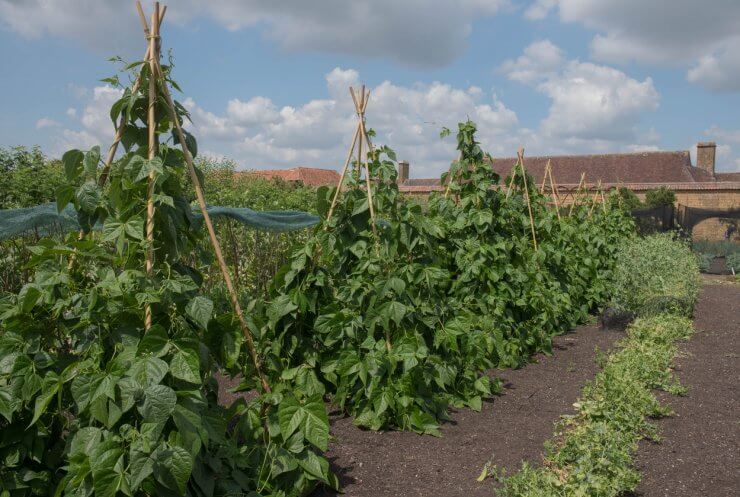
(699, 454)
(509, 429)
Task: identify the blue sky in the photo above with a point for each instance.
(267, 81)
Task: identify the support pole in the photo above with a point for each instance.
(152, 152)
(170, 105)
(520, 155)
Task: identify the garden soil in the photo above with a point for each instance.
(509, 429)
(699, 454)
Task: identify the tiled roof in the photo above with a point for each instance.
(640, 167)
(311, 176)
(727, 176)
(683, 186)
(639, 171)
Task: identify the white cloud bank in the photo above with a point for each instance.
(698, 34)
(416, 32)
(593, 109)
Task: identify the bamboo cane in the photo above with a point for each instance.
(341, 178)
(511, 180)
(152, 153)
(544, 176)
(520, 155)
(211, 231)
(555, 194)
(578, 191)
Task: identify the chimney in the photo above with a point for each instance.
(705, 153)
(403, 171)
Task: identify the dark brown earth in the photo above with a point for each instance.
(509, 429)
(699, 454)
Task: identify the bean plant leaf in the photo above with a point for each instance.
(200, 309)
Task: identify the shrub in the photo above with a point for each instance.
(625, 199)
(733, 261)
(658, 197)
(705, 261)
(654, 274)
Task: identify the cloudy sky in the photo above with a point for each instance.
(267, 81)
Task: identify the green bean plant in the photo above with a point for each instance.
(90, 402)
(399, 326)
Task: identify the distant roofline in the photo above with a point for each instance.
(713, 185)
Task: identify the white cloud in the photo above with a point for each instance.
(259, 134)
(418, 32)
(45, 122)
(697, 33)
(539, 61)
(592, 101)
(94, 124)
(593, 109)
(539, 9)
(592, 106)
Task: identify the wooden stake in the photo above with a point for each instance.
(211, 231)
(341, 178)
(554, 190)
(513, 176)
(520, 155)
(544, 177)
(361, 134)
(578, 190)
(152, 153)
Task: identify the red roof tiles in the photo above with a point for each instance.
(310, 176)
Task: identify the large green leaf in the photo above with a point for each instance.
(159, 402)
(200, 309)
(185, 365)
(173, 467)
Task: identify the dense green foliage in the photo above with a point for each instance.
(593, 452)
(90, 403)
(400, 326)
(28, 177)
(593, 455)
(656, 273)
(657, 197)
(253, 256)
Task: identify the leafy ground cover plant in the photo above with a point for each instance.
(90, 403)
(398, 327)
(594, 449)
(656, 273)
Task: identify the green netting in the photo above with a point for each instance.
(276, 221)
(44, 219)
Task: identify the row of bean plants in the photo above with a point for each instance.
(400, 326)
(90, 403)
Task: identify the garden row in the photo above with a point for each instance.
(108, 355)
(593, 451)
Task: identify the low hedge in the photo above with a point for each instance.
(656, 274)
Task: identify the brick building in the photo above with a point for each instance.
(311, 176)
(694, 185)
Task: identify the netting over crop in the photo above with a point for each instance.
(45, 219)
